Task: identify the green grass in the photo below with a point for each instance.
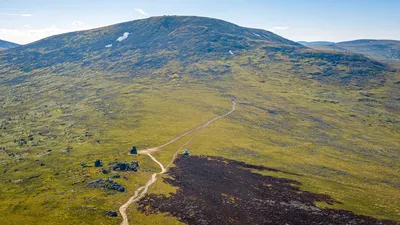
(341, 146)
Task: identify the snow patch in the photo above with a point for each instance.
(123, 37)
(230, 52)
(109, 46)
(257, 35)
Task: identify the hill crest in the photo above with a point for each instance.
(7, 45)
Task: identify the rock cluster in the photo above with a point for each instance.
(116, 176)
(107, 184)
(98, 163)
(111, 213)
(124, 166)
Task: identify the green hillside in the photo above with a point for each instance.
(332, 118)
(387, 51)
(6, 45)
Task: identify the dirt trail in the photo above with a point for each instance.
(139, 193)
(150, 150)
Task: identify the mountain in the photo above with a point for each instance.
(145, 46)
(270, 128)
(6, 45)
(388, 50)
(156, 39)
(323, 45)
(383, 50)
(316, 43)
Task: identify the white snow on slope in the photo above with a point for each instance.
(123, 37)
(230, 52)
(109, 46)
(257, 35)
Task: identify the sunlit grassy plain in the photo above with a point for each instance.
(341, 146)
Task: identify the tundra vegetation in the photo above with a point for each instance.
(66, 101)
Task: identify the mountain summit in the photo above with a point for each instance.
(141, 47)
(180, 36)
(173, 33)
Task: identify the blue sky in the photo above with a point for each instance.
(24, 21)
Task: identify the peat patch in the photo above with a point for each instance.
(214, 190)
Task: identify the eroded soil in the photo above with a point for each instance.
(215, 190)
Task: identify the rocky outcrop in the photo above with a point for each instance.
(98, 163)
(133, 151)
(124, 166)
(106, 184)
(116, 176)
(111, 213)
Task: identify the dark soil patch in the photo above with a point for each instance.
(215, 190)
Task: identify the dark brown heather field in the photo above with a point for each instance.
(214, 190)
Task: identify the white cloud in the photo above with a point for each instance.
(77, 23)
(26, 35)
(27, 26)
(277, 29)
(142, 12)
(280, 28)
(18, 14)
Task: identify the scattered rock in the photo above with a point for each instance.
(106, 184)
(22, 142)
(98, 163)
(116, 176)
(133, 150)
(367, 94)
(367, 100)
(77, 182)
(67, 149)
(111, 213)
(3, 149)
(123, 166)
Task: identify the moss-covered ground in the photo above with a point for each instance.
(343, 141)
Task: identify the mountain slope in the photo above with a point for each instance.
(306, 43)
(383, 50)
(6, 45)
(379, 49)
(161, 37)
(323, 45)
(142, 47)
(324, 124)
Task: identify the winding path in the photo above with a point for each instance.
(143, 190)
